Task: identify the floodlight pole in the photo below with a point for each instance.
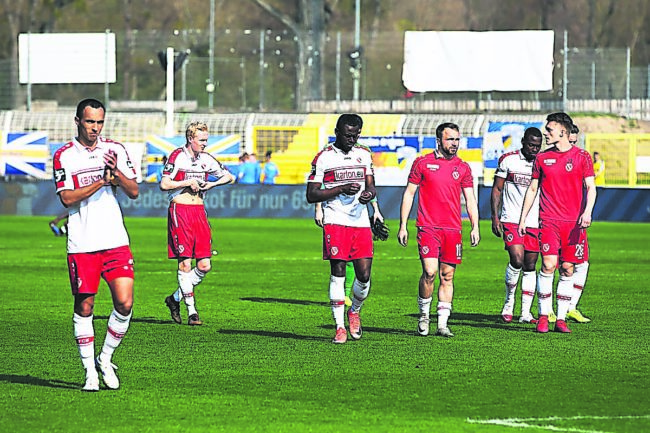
(627, 82)
(565, 73)
(29, 71)
(357, 43)
(211, 61)
(106, 93)
(169, 125)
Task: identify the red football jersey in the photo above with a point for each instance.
(440, 183)
(561, 182)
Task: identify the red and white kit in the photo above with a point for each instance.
(346, 224)
(332, 168)
(181, 166)
(517, 172)
(441, 181)
(439, 224)
(96, 223)
(189, 233)
(561, 177)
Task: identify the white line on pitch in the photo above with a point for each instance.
(523, 422)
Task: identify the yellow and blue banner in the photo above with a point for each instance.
(24, 154)
(225, 148)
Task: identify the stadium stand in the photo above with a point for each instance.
(294, 139)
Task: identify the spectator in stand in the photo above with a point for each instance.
(250, 170)
(271, 170)
(599, 169)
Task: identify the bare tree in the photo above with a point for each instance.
(308, 26)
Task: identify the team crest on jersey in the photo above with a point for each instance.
(569, 165)
(455, 174)
(334, 250)
(59, 175)
(546, 247)
(181, 248)
(509, 237)
(425, 250)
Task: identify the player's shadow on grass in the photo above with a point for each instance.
(285, 301)
(153, 320)
(274, 334)
(392, 331)
(477, 320)
(32, 380)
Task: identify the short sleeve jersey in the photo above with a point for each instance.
(331, 167)
(517, 172)
(96, 223)
(440, 182)
(181, 166)
(561, 176)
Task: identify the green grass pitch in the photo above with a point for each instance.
(264, 361)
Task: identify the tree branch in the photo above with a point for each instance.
(281, 16)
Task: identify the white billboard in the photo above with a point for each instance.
(478, 61)
(58, 58)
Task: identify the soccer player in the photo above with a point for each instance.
(441, 178)
(87, 173)
(511, 180)
(349, 268)
(581, 269)
(54, 224)
(564, 176)
(187, 176)
(342, 178)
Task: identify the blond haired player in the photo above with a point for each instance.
(188, 175)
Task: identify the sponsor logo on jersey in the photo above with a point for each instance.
(194, 175)
(433, 167)
(521, 179)
(88, 178)
(550, 161)
(344, 174)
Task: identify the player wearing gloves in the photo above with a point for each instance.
(342, 178)
(186, 177)
(380, 230)
(377, 225)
